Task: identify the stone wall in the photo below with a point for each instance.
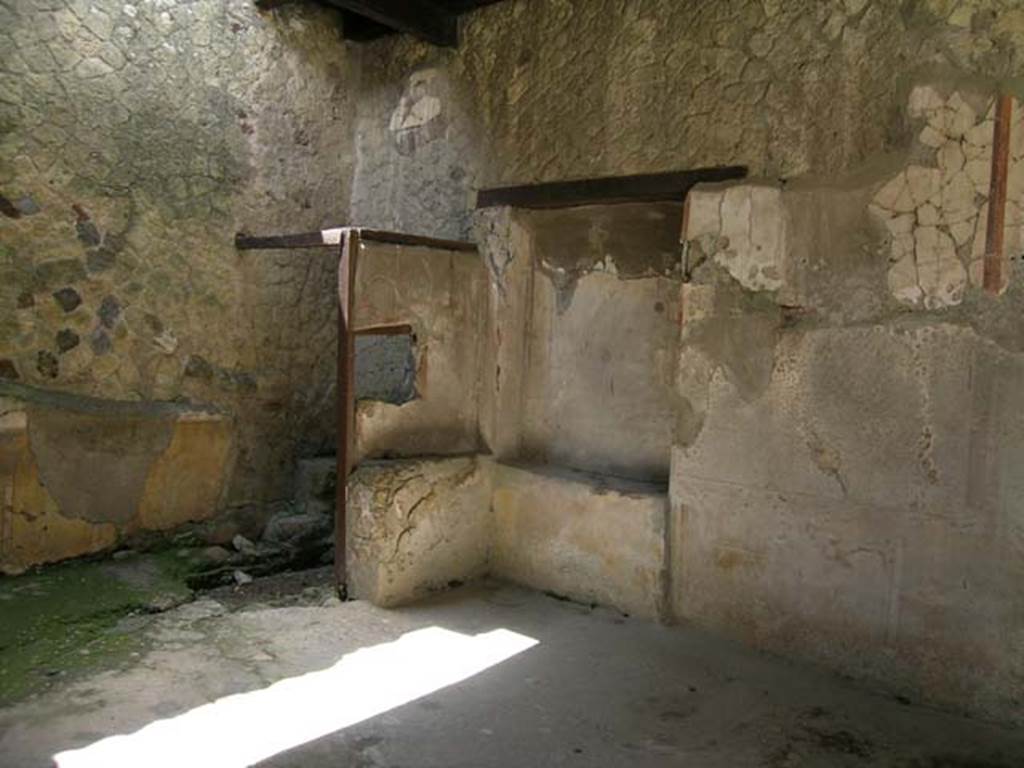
(845, 422)
(543, 90)
(135, 140)
(847, 491)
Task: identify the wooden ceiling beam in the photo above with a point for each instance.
(422, 18)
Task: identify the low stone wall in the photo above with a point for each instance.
(78, 474)
(582, 536)
(417, 525)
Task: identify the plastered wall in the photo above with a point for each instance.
(848, 492)
(440, 297)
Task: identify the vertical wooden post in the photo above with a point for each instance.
(350, 244)
(994, 235)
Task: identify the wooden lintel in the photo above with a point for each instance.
(421, 18)
(996, 225)
(649, 187)
(334, 236)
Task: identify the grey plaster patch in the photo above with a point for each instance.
(96, 466)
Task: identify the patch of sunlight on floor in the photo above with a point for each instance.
(245, 728)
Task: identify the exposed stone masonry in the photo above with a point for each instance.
(135, 139)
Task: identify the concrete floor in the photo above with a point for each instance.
(579, 687)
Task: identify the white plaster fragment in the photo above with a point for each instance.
(754, 225)
(928, 215)
(924, 184)
(703, 217)
(950, 158)
(924, 101)
(940, 274)
(980, 173)
(956, 119)
(332, 236)
(962, 231)
(902, 280)
(902, 246)
(901, 225)
(895, 195)
(931, 137)
(958, 199)
(980, 135)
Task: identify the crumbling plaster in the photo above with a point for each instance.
(842, 482)
(440, 296)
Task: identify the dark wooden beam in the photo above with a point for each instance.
(348, 255)
(316, 239)
(384, 330)
(362, 29)
(422, 18)
(325, 238)
(401, 238)
(648, 187)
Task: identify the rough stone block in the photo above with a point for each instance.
(316, 481)
(582, 536)
(415, 526)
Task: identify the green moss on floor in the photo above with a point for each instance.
(76, 617)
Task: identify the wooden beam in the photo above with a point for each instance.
(421, 18)
(996, 229)
(346, 401)
(402, 238)
(322, 237)
(403, 329)
(334, 236)
(269, 5)
(650, 187)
